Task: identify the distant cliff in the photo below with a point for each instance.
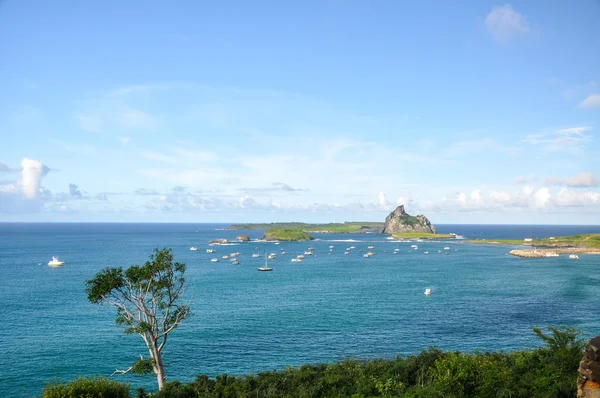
(400, 221)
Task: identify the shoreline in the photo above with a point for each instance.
(542, 253)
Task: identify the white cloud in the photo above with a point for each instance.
(476, 196)
(581, 180)
(569, 140)
(542, 196)
(89, 123)
(32, 172)
(403, 200)
(525, 179)
(134, 118)
(592, 101)
(566, 198)
(505, 24)
(382, 201)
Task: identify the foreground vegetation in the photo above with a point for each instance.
(422, 235)
(288, 235)
(346, 227)
(549, 371)
(584, 241)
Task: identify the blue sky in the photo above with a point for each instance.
(332, 110)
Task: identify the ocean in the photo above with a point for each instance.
(326, 308)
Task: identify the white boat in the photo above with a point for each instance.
(208, 250)
(265, 267)
(55, 262)
(370, 247)
(255, 255)
(446, 248)
(308, 253)
(193, 248)
(346, 252)
(296, 260)
(414, 246)
(352, 247)
(366, 255)
(425, 252)
(214, 260)
(552, 254)
(427, 292)
(575, 256)
(235, 261)
(331, 247)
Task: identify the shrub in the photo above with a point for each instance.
(82, 387)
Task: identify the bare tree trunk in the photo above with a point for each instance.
(159, 367)
(160, 372)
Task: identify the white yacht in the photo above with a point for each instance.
(193, 248)
(265, 267)
(55, 262)
(254, 255)
(427, 292)
(446, 248)
(552, 254)
(208, 250)
(214, 260)
(414, 246)
(296, 260)
(575, 256)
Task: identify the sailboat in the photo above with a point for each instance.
(265, 267)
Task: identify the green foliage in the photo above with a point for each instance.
(142, 367)
(97, 387)
(422, 235)
(587, 241)
(549, 371)
(286, 235)
(346, 227)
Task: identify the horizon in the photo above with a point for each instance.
(275, 222)
(479, 113)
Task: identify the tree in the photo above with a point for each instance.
(147, 299)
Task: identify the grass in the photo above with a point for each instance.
(587, 241)
(422, 235)
(286, 235)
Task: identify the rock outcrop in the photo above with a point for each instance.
(588, 383)
(218, 242)
(242, 238)
(400, 221)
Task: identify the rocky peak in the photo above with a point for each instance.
(399, 221)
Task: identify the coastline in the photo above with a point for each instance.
(542, 253)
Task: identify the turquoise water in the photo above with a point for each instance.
(323, 309)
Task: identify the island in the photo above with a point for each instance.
(550, 246)
(398, 223)
(402, 225)
(288, 235)
(345, 227)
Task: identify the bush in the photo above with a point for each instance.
(96, 387)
